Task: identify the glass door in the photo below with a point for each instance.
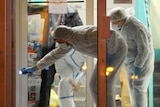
(33, 24)
(41, 21)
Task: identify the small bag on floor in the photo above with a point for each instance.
(54, 100)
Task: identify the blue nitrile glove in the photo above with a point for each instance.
(110, 58)
(46, 68)
(27, 70)
(137, 71)
(37, 45)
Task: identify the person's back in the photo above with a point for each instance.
(82, 38)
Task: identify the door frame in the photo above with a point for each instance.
(10, 53)
(21, 50)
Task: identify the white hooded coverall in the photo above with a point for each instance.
(84, 39)
(69, 67)
(140, 54)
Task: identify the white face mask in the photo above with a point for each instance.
(64, 46)
(115, 27)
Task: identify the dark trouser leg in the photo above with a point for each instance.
(47, 80)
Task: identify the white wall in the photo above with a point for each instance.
(155, 23)
(111, 5)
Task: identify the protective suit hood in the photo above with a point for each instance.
(63, 32)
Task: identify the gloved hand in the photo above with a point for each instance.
(46, 68)
(36, 45)
(75, 86)
(137, 71)
(27, 70)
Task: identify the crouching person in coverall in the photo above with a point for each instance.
(69, 67)
(84, 39)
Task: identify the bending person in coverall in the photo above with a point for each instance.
(140, 57)
(84, 40)
(69, 67)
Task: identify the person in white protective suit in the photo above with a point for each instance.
(69, 67)
(84, 39)
(140, 58)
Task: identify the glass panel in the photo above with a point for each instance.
(154, 16)
(40, 42)
(35, 44)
